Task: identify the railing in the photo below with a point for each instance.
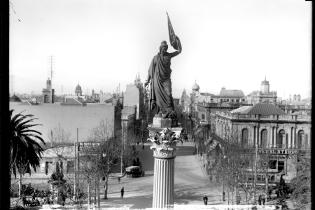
(276, 149)
(269, 117)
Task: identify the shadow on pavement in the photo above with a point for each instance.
(186, 197)
(130, 202)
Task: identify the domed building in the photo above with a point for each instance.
(195, 87)
(78, 90)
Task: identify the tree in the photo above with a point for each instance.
(301, 184)
(59, 136)
(99, 162)
(25, 144)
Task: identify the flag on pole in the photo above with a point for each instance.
(173, 38)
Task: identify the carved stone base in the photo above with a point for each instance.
(160, 122)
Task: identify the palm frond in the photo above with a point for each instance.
(25, 148)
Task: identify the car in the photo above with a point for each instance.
(134, 171)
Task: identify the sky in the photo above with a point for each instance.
(101, 44)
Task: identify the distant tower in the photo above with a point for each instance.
(264, 88)
(138, 82)
(78, 90)
(48, 93)
(195, 87)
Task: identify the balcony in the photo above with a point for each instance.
(277, 149)
(290, 118)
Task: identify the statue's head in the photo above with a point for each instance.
(163, 47)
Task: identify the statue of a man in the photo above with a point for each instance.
(159, 77)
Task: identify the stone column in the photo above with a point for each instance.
(164, 141)
(275, 137)
(163, 182)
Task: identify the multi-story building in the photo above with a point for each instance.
(230, 96)
(269, 130)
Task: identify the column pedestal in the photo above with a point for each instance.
(163, 182)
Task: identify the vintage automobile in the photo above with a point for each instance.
(134, 171)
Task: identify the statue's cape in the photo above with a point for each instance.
(160, 73)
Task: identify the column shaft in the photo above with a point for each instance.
(163, 186)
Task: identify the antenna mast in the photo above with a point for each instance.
(51, 75)
(51, 67)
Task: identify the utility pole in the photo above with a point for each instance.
(51, 75)
(76, 165)
(75, 172)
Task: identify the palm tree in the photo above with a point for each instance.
(25, 145)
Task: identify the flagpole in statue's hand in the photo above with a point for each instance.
(174, 40)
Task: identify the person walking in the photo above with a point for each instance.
(122, 191)
(205, 200)
(259, 200)
(263, 199)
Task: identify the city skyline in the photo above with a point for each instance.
(232, 44)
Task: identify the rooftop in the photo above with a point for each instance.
(231, 93)
(259, 109)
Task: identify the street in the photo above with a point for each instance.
(191, 183)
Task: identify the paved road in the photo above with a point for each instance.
(191, 183)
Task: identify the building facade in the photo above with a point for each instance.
(276, 134)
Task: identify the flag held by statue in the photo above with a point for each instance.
(174, 40)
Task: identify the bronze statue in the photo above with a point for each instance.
(159, 77)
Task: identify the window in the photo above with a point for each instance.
(61, 166)
(263, 138)
(300, 139)
(203, 116)
(280, 139)
(280, 166)
(272, 178)
(244, 137)
(70, 166)
(273, 164)
(47, 167)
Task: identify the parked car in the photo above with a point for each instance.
(134, 171)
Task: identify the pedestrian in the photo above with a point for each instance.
(118, 179)
(263, 199)
(205, 200)
(142, 146)
(223, 196)
(122, 192)
(259, 200)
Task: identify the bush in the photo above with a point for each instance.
(14, 191)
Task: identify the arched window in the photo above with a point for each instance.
(263, 138)
(300, 140)
(281, 139)
(203, 116)
(244, 137)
